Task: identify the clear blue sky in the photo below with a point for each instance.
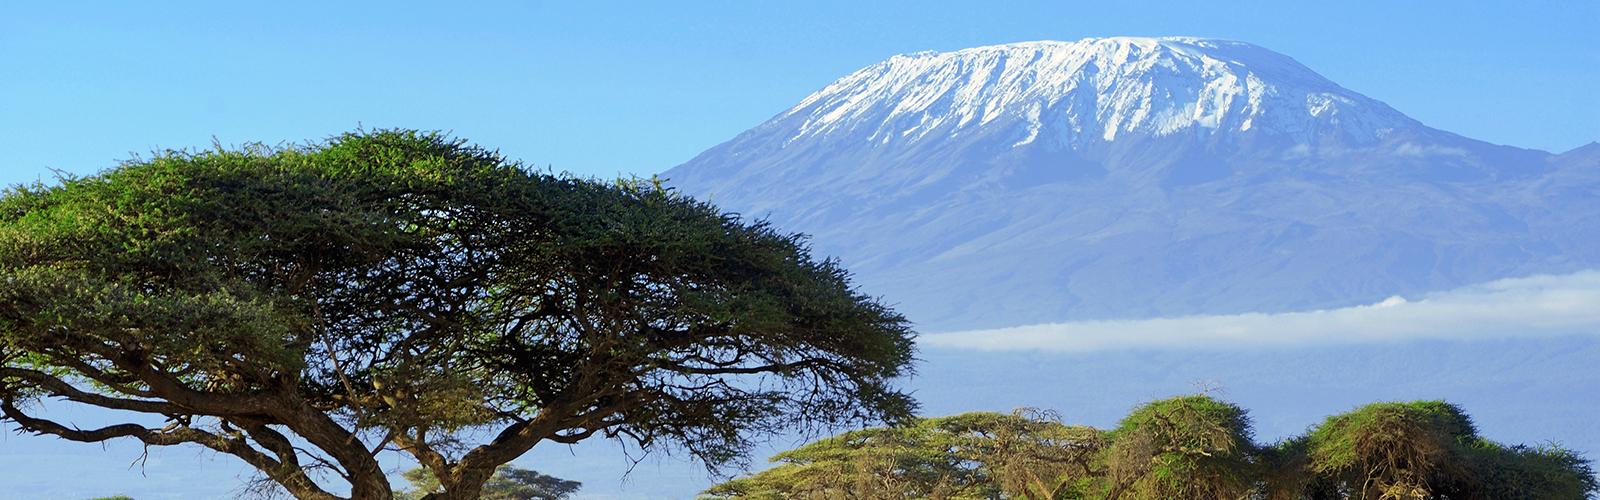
(604, 88)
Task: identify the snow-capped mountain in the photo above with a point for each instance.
(1136, 177)
(1091, 91)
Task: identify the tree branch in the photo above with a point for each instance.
(64, 389)
(291, 477)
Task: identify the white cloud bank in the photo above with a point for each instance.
(1520, 307)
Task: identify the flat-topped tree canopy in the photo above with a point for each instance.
(393, 289)
(1189, 447)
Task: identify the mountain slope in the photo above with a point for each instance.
(1138, 177)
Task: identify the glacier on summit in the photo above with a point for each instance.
(1125, 178)
(1099, 88)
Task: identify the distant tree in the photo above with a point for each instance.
(1183, 447)
(1025, 454)
(914, 461)
(1422, 450)
(507, 483)
(1029, 453)
(305, 308)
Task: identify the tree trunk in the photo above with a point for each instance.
(370, 486)
(464, 484)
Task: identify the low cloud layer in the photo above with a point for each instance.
(1519, 307)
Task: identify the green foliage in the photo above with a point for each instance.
(1183, 447)
(915, 461)
(508, 483)
(967, 456)
(1528, 472)
(1421, 450)
(1030, 452)
(408, 287)
(1392, 450)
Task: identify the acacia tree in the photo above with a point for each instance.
(508, 483)
(980, 455)
(1421, 450)
(1182, 447)
(306, 308)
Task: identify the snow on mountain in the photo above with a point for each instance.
(1140, 177)
(1099, 88)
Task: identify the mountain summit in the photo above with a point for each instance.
(1075, 93)
(1136, 177)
